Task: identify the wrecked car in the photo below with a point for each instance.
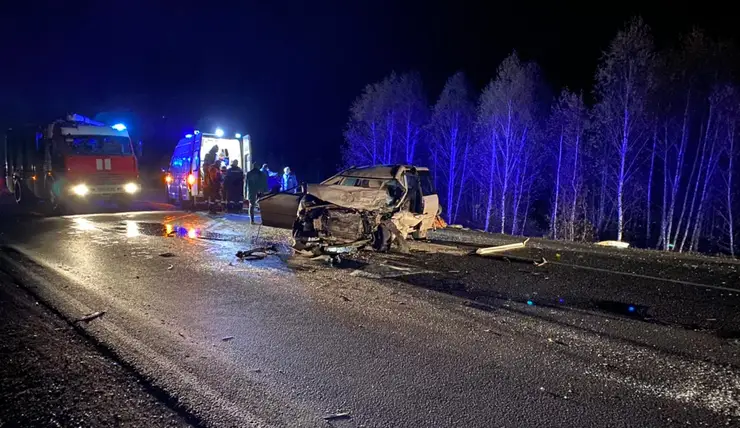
(360, 206)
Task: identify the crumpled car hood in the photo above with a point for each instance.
(358, 198)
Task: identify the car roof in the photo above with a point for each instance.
(378, 171)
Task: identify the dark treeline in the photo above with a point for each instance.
(652, 160)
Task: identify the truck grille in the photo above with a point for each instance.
(109, 179)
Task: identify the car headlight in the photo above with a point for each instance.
(80, 190)
(131, 187)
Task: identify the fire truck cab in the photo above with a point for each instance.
(185, 176)
(74, 159)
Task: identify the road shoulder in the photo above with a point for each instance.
(52, 376)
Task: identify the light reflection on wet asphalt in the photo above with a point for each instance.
(218, 236)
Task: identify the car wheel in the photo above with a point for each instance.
(382, 239)
(17, 191)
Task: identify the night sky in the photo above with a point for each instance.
(287, 72)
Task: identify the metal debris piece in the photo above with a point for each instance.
(345, 298)
(403, 269)
(343, 249)
(168, 254)
(258, 253)
(92, 316)
(501, 248)
(227, 338)
(542, 263)
(338, 415)
(170, 267)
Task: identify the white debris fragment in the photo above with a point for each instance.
(338, 415)
(501, 248)
(613, 244)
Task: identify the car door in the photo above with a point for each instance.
(280, 209)
(431, 199)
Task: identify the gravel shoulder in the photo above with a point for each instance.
(51, 376)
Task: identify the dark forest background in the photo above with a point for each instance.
(649, 156)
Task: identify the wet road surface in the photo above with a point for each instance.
(432, 338)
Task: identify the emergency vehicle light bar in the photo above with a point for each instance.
(82, 119)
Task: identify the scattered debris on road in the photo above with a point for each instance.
(501, 248)
(338, 415)
(92, 316)
(558, 341)
(227, 338)
(541, 263)
(613, 244)
(258, 253)
(168, 254)
(345, 298)
(170, 267)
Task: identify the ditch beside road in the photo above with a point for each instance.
(51, 376)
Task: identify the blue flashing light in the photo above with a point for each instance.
(196, 132)
(237, 135)
(631, 309)
(530, 303)
(561, 300)
(219, 132)
(188, 135)
(119, 127)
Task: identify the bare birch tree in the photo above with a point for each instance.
(451, 130)
(623, 82)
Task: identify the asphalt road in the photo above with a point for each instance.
(432, 338)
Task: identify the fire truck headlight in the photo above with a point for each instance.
(131, 187)
(80, 190)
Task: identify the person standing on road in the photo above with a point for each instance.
(256, 185)
(288, 182)
(214, 181)
(234, 186)
(210, 157)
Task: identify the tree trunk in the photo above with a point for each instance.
(462, 180)
(650, 187)
(574, 186)
(492, 168)
(554, 214)
(677, 177)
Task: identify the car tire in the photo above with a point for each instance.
(382, 239)
(18, 191)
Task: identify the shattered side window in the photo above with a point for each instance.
(350, 181)
(394, 192)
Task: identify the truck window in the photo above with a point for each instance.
(97, 145)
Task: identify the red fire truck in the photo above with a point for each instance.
(74, 159)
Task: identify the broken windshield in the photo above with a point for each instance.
(99, 145)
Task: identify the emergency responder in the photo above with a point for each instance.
(210, 157)
(288, 182)
(256, 185)
(214, 181)
(273, 179)
(234, 187)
